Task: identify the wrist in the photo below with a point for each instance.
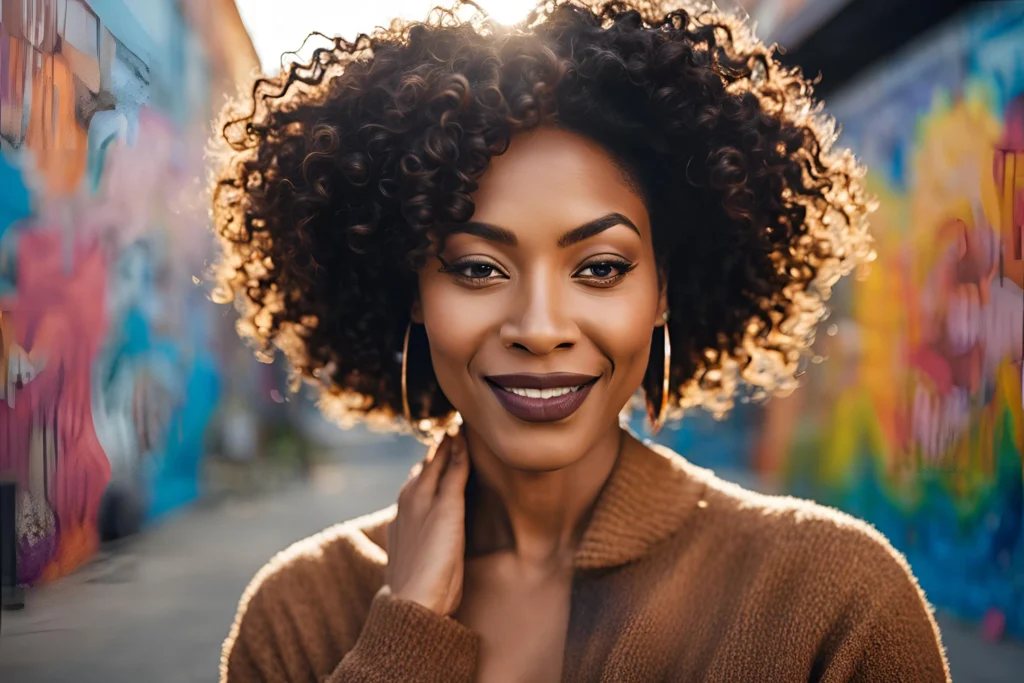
(420, 598)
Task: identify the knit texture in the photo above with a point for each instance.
(680, 576)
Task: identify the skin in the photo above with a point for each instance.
(491, 307)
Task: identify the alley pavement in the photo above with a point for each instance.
(157, 610)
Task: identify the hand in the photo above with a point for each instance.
(427, 540)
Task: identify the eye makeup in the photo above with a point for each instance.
(599, 271)
(599, 267)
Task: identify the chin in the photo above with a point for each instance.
(539, 447)
(527, 461)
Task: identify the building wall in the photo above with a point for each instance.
(911, 411)
(109, 365)
(788, 22)
(933, 387)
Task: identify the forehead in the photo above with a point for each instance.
(551, 178)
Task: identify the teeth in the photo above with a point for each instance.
(543, 393)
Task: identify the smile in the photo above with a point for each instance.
(544, 393)
(541, 398)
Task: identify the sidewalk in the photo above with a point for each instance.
(156, 611)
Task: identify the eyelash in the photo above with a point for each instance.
(621, 265)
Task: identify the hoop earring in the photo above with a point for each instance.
(432, 435)
(656, 417)
(417, 433)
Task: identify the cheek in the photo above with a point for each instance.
(456, 329)
(621, 328)
(629, 347)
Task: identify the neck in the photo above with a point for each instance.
(537, 516)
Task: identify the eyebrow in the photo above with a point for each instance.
(487, 232)
(501, 235)
(594, 227)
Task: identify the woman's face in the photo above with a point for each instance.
(540, 310)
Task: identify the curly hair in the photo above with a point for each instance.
(337, 172)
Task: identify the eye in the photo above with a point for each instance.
(605, 271)
(476, 272)
(599, 270)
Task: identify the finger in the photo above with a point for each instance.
(432, 451)
(415, 470)
(433, 467)
(392, 538)
(410, 487)
(392, 545)
(454, 481)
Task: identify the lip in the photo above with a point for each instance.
(530, 409)
(532, 380)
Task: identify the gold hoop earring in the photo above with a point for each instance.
(431, 435)
(657, 417)
(414, 427)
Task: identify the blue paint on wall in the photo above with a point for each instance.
(15, 201)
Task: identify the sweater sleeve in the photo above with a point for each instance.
(311, 616)
(400, 642)
(403, 641)
(888, 635)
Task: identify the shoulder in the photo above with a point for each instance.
(794, 535)
(356, 547)
(321, 586)
(838, 576)
(832, 583)
(835, 575)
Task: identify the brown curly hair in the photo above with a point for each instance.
(337, 173)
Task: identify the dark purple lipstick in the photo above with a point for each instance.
(541, 398)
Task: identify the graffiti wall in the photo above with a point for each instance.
(108, 366)
(924, 432)
(911, 411)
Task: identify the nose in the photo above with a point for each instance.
(539, 321)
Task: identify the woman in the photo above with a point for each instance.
(525, 226)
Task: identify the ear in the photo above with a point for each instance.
(417, 311)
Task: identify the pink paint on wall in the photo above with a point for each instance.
(58, 321)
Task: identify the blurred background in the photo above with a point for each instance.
(149, 464)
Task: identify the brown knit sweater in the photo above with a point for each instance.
(680, 576)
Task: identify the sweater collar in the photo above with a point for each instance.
(649, 494)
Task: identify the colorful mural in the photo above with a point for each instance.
(924, 436)
(911, 411)
(108, 364)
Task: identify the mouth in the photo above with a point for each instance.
(541, 398)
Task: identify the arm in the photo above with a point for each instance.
(311, 614)
(890, 636)
(404, 641)
(400, 642)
